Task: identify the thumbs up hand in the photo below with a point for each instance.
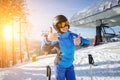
(52, 36)
(77, 40)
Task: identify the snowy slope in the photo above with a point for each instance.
(106, 57)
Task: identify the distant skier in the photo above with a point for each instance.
(64, 69)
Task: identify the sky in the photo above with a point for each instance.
(42, 12)
(106, 65)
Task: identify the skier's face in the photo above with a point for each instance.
(64, 29)
(64, 26)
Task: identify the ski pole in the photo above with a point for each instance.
(48, 74)
(91, 62)
(91, 71)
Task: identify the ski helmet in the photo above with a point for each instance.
(59, 19)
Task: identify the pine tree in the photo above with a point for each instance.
(10, 11)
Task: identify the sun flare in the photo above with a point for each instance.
(7, 31)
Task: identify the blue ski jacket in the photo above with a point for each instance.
(67, 47)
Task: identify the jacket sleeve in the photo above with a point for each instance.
(44, 42)
(84, 42)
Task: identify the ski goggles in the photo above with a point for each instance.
(63, 24)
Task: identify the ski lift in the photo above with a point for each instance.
(108, 33)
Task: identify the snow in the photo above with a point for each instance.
(106, 57)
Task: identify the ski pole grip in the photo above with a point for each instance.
(48, 73)
(90, 59)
